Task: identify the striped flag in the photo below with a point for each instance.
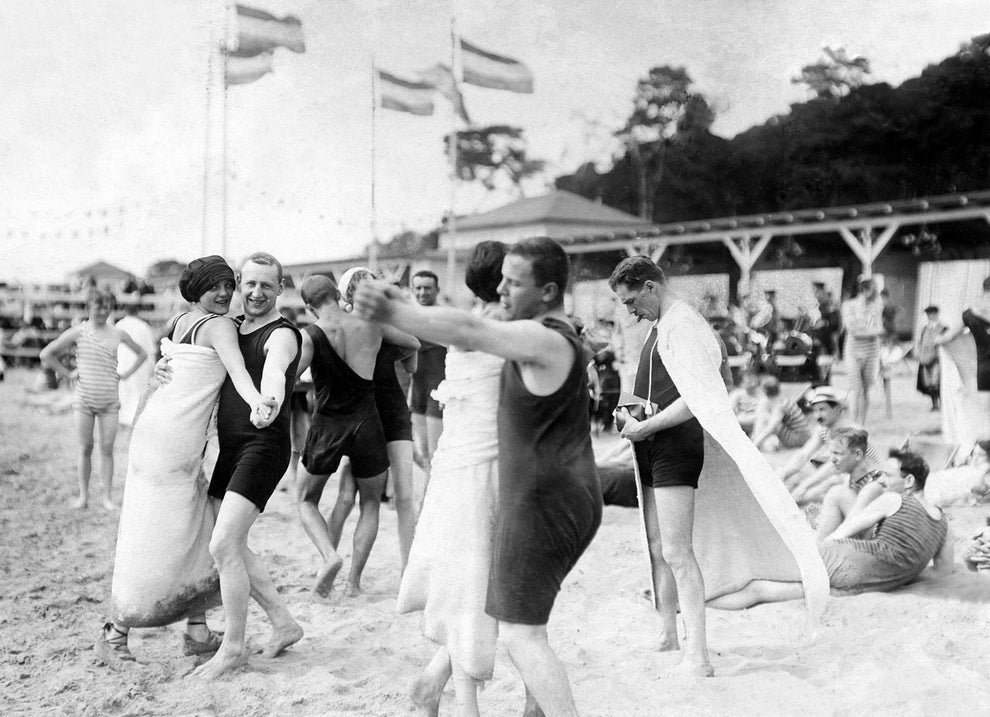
(442, 78)
(405, 95)
(258, 32)
(242, 68)
(486, 69)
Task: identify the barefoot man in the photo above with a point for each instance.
(550, 501)
(250, 464)
(341, 351)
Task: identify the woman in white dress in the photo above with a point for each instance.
(447, 574)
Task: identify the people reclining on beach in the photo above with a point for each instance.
(906, 533)
(810, 473)
(865, 483)
(780, 423)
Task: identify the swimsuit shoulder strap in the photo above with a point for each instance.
(190, 335)
(173, 323)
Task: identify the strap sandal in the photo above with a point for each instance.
(114, 648)
(191, 647)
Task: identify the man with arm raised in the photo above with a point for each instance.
(550, 502)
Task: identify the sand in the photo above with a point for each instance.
(918, 651)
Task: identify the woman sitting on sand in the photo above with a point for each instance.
(447, 574)
(96, 399)
(163, 570)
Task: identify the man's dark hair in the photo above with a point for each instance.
(853, 438)
(318, 289)
(484, 270)
(549, 263)
(426, 274)
(912, 464)
(634, 271)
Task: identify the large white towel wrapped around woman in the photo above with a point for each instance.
(163, 571)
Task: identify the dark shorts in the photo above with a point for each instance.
(361, 438)
(394, 414)
(251, 468)
(673, 457)
(538, 540)
(421, 402)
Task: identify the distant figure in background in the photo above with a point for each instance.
(710, 307)
(889, 318)
(609, 385)
(779, 423)
(745, 400)
(96, 400)
(863, 319)
(133, 387)
(926, 351)
(427, 415)
(977, 319)
(829, 320)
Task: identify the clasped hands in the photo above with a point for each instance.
(263, 413)
(371, 300)
(629, 427)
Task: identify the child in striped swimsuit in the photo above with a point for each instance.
(96, 399)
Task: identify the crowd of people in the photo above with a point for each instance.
(496, 406)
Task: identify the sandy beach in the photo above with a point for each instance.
(919, 651)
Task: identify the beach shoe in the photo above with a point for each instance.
(112, 650)
(191, 647)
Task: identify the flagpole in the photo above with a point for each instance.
(373, 246)
(456, 72)
(215, 152)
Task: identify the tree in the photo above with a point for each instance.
(658, 105)
(835, 75)
(485, 154)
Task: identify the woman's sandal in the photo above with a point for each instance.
(112, 649)
(191, 647)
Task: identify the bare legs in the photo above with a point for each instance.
(85, 425)
(326, 535)
(757, 592)
(677, 572)
(426, 435)
(539, 667)
(243, 576)
(400, 458)
(309, 489)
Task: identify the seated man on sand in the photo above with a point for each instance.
(907, 533)
(810, 473)
(779, 423)
(865, 483)
(746, 399)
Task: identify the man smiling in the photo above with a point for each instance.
(250, 464)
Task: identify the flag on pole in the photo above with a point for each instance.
(405, 95)
(442, 78)
(242, 68)
(486, 69)
(258, 31)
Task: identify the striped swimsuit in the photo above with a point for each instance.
(901, 547)
(96, 387)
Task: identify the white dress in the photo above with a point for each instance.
(447, 573)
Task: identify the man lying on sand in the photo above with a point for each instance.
(908, 533)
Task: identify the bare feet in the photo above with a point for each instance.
(221, 663)
(352, 589)
(80, 502)
(281, 638)
(326, 576)
(691, 668)
(426, 696)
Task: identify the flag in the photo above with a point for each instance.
(242, 68)
(486, 69)
(442, 78)
(405, 95)
(258, 32)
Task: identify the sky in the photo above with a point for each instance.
(104, 121)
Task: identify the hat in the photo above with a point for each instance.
(826, 394)
(818, 284)
(203, 273)
(931, 309)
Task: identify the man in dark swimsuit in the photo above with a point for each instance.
(250, 464)
(341, 352)
(670, 451)
(427, 416)
(550, 503)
